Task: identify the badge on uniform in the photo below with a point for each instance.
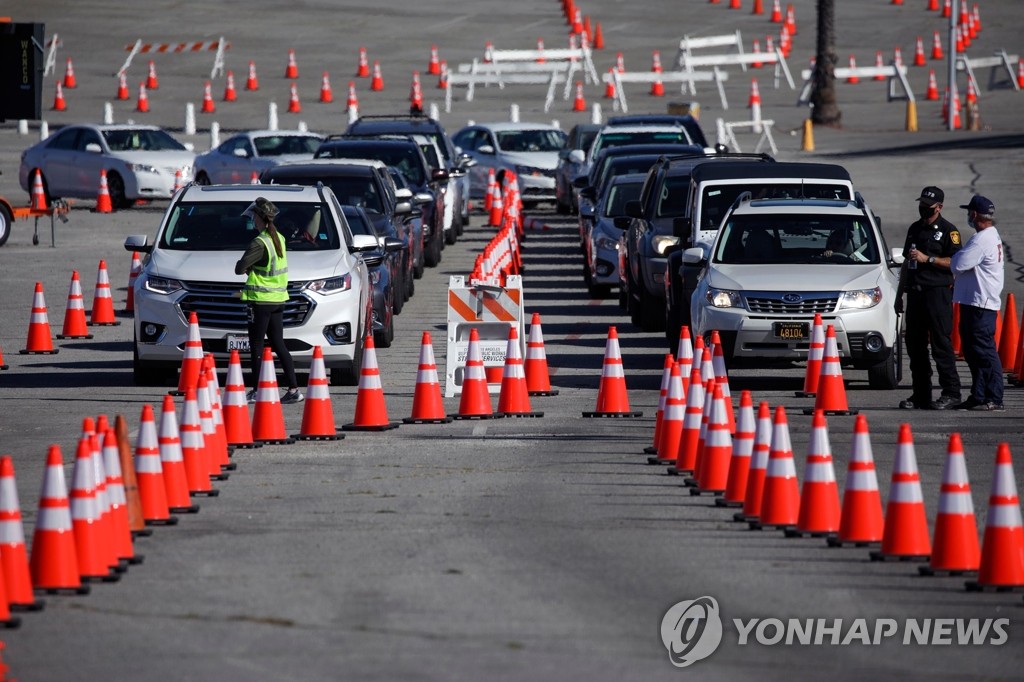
(937, 236)
(954, 237)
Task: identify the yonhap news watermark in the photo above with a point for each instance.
(692, 630)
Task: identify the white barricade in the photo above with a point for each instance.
(727, 130)
(689, 63)
(897, 76)
(688, 44)
(218, 46)
(614, 76)
(51, 55)
(526, 73)
(999, 59)
(491, 310)
(580, 55)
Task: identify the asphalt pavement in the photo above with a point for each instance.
(508, 549)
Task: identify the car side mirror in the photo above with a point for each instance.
(621, 222)
(364, 242)
(241, 153)
(693, 256)
(403, 193)
(895, 255)
(485, 149)
(422, 198)
(439, 174)
(587, 210)
(577, 156)
(580, 181)
(391, 244)
(94, 147)
(138, 242)
(464, 160)
(634, 209)
(403, 208)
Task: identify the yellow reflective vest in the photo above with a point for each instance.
(269, 283)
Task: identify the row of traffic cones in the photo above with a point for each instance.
(40, 338)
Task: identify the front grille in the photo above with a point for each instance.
(772, 303)
(217, 305)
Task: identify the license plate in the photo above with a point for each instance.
(792, 331)
(239, 343)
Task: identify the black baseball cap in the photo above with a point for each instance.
(981, 206)
(931, 196)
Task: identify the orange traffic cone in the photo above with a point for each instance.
(819, 497)
(609, 86)
(377, 82)
(1002, 548)
(780, 500)
(579, 103)
(434, 65)
(13, 555)
(475, 402)
(294, 107)
(208, 106)
(598, 37)
(59, 104)
(742, 449)
(3, 365)
(54, 561)
(353, 101)
(497, 207)
(702, 431)
(151, 80)
(116, 492)
(110, 544)
(92, 540)
(735, 4)
(215, 442)
(317, 414)
(936, 46)
(722, 377)
(919, 59)
(103, 202)
(122, 86)
(686, 456)
(442, 79)
(752, 497)
(268, 418)
(142, 104)
(620, 63)
(758, 7)
(853, 65)
(612, 398)
(149, 473)
(666, 375)
(906, 526)
(713, 473)
(74, 316)
(667, 445)
(955, 543)
(363, 69)
(538, 379)
(39, 199)
(69, 75)
(776, 17)
(427, 404)
(230, 93)
(416, 93)
(192, 361)
(292, 70)
(756, 50)
(252, 82)
(102, 303)
(133, 502)
(790, 21)
(831, 394)
(1009, 334)
(39, 342)
(371, 412)
(657, 87)
(172, 461)
(860, 522)
(193, 448)
(972, 94)
(1020, 73)
(684, 353)
(492, 187)
(326, 94)
(514, 399)
(932, 94)
(814, 357)
(255, 178)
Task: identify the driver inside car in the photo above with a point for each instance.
(839, 242)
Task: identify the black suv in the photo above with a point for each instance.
(688, 122)
(456, 191)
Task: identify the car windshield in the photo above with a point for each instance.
(674, 198)
(220, 226)
(790, 239)
(278, 145)
(403, 157)
(612, 166)
(717, 199)
(617, 139)
(351, 191)
(140, 140)
(618, 195)
(530, 140)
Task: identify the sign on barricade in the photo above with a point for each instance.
(489, 309)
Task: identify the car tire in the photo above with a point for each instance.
(432, 255)
(203, 179)
(6, 224)
(419, 266)
(115, 185)
(885, 375)
(452, 235)
(397, 296)
(384, 337)
(349, 376)
(672, 327)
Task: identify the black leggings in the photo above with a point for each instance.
(266, 320)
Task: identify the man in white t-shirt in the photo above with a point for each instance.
(978, 287)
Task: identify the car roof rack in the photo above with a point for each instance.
(384, 117)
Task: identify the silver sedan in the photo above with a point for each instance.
(240, 156)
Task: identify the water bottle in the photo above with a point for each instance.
(913, 261)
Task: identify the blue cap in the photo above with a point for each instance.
(981, 206)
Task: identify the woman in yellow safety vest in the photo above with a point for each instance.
(266, 292)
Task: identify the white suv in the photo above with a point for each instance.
(775, 263)
(190, 268)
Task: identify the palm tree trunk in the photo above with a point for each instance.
(824, 110)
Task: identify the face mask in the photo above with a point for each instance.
(926, 211)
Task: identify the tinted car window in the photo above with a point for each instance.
(530, 140)
(403, 157)
(673, 200)
(717, 199)
(358, 223)
(132, 140)
(618, 195)
(65, 139)
(789, 238)
(612, 139)
(286, 144)
(220, 226)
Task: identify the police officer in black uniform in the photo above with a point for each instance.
(928, 282)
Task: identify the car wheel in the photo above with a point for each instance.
(115, 185)
(203, 179)
(432, 257)
(886, 375)
(463, 222)
(452, 235)
(349, 376)
(419, 266)
(385, 336)
(398, 294)
(410, 284)
(6, 223)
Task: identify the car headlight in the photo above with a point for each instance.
(162, 285)
(861, 298)
(724, 298)
(663, 242)
(143, 168)
(603, 242)
(333, 285)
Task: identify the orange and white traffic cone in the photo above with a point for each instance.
(54, 561)
(776, 17)
(815, 352)
(684, 353)
(667, 445)
(103, 202)
(742, 449)
(937, 46)
(142, 103)
(326, 94)
(686, 456)
(377, 82)
(208, 106)
(122, 87)
(860, 521)
(69, 75)
(59, 103)
(514, 399)
(149, 473)
(294, 106)
(612, 397)
(3, 365)
(230, 92)
(497, 207)
(192, 361)
(152, 83)
(538, 377)
(427, 404)
(819, 497)
(255, 178)
(133, 275)
(211, 417)
(353, 100)
(1020, 73)
(780, 500)
(752, 497)
(416, 93)
(102, 303)
(363, 69)
(579, 103)
(371, 411)
(39, 200)
(906, 527)
(193, 448)
(133, 502)
(492, 188)
(919, 59)
(13, 554)
(268, 417)
(598, 42)
(722, 377)
(475, 402)
(434, 65)
(317, 413)
(657, 87)
(92, 541)
(790, 21)
(74, 315)
(40, 341)
(702, 434)
(442, 78)
(831, 395)
(853, 78)
(172, 461)
(292, 70)
(252, 82)
(756, 51)
(103, 499)
(1009, 334)
(1002, 548)
(932, 94)
(955, 542)
(666, 374)
(713, 474)
(609, 86)
(117, 495)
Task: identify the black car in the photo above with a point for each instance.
(383, 264)
(570, 165)
(687, 121)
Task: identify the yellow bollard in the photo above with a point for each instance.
(807, 145)
(911, 116)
